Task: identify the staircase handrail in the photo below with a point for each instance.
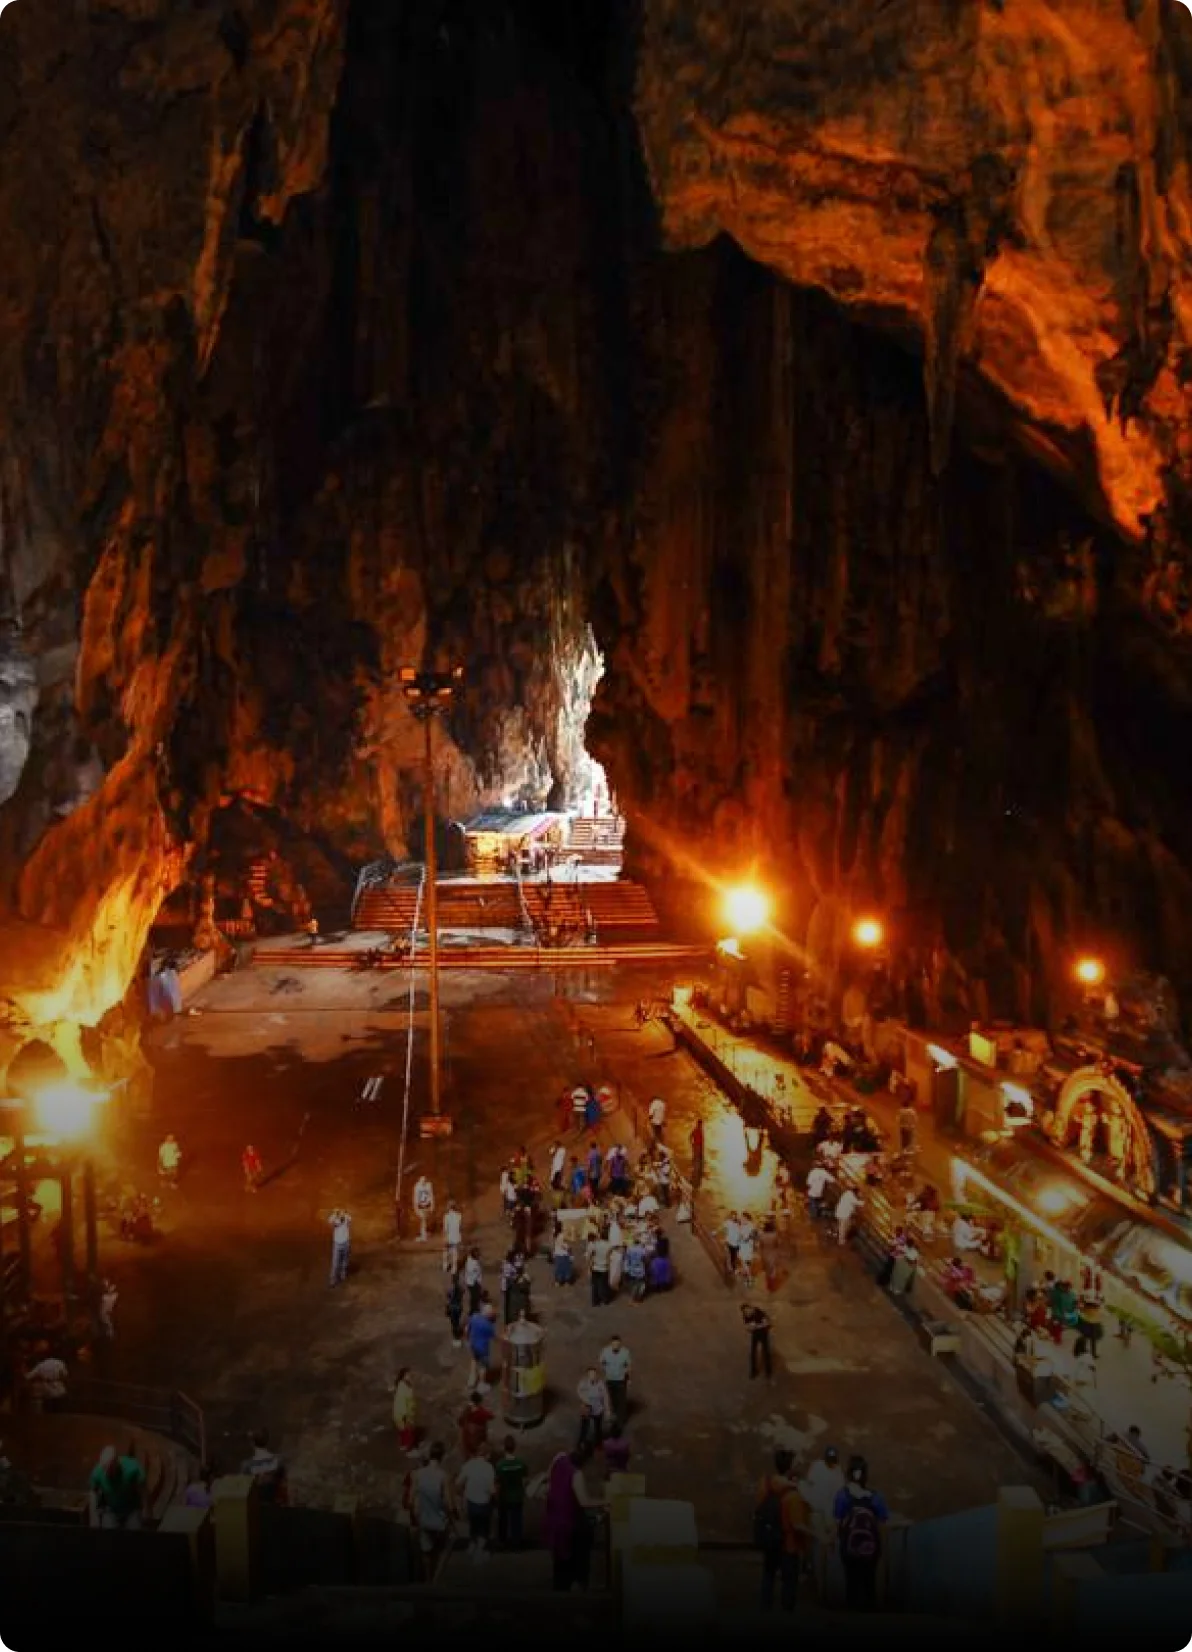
(161, 1410)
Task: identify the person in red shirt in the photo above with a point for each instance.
(473, 1425)
(786, 1540)
(250, 1163)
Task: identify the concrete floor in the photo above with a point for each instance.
(234, 1309)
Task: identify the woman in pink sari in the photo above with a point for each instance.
(567, 1524)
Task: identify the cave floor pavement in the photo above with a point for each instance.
(234, 1309)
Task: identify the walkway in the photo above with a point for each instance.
(1128, 1390)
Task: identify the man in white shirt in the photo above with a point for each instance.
(478, 1482)
(453, 1235)
(820, 1488)
(558, 1164)
(595, 1403)
(965, 1236)
(424, 1204)
(847, 1207)
(341, 1244)
(647, 1205)
(599, 1255)
(47, 1381)
(615, 1366)
(817, 1182)
(657, 1117)
(829, 1151)
(822, 1482)
(732, 1240)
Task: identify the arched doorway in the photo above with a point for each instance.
(1098, 1118)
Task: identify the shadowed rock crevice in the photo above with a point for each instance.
(422, 333)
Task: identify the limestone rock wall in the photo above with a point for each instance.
(335, 334)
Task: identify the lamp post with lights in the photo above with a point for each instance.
(62, 1116)
(430, 694)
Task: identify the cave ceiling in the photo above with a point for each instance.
(827, 362)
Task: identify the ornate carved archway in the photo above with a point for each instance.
(1092, 1096)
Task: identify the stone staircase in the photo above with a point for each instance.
(622, 910)
(57, 1454)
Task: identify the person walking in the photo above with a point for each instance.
(558, 1166)
(433, 1508)
(732, 1242)
(424, 1204)
(511, 1475)
(616, 1254)
(615, 1366)
(250, 1164)
(405, 1409)
(478, 1482)
(473, 1424)
(594, 1407)
(758, 1324)
(564, 1267)
(817, 1189)
(782, 1531)
(454, 1308)
(908, 1121)
(657, 1117)
(169, 1161)
(599, 1258)
(108, 1298)
(482, 1328)
(473, 1278)
(847, 1206)
(746, 1250)
(567, 1522)
(453, 1236)
(595, 1170)
(618, 1172)
(822, 1483)
(635, 1269)
(860, 1515)
(340, 1224)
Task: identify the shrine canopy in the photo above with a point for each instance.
(513, 827)
(492, 836)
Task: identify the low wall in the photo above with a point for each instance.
(196, 975)
(62, 1583)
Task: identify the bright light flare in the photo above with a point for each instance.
(1055, 1199)
(746, 908)
(1090, 972)
(868, 932)
(68, 1110)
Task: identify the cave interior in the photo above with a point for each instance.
(447, 392)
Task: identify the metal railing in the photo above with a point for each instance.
(161, 1410)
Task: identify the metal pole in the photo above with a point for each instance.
(66, 1243)
(91, 1232)
(432, 913)
(24, 1236)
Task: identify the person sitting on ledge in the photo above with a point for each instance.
(966, 1236)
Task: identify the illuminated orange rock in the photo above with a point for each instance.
(1007, 182)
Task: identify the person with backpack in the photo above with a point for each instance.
(782, 1532)
(860, 1515)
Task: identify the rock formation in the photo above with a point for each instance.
(336, 335)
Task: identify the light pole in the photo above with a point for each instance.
(430, 693)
